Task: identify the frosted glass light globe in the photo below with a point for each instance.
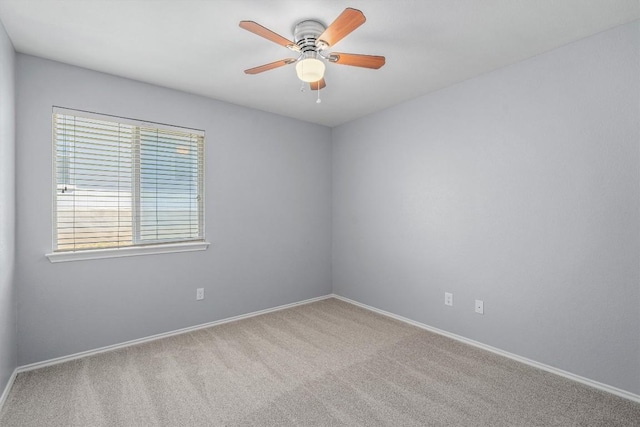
(310, 70)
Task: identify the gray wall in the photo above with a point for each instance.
(519, 187)
(268, 218)
(8, 340)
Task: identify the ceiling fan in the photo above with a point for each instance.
(311, 41)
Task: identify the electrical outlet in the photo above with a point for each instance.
(479, 306)
(448, 299)
(199, 294)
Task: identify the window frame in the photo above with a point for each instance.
(188, 245)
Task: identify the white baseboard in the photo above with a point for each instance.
(595, 384)
(7, 388)
(87, 353)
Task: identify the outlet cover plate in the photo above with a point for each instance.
(479, 306)
(448, 299)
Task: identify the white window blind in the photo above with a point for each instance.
(122, 183)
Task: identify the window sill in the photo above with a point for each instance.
(129, 251)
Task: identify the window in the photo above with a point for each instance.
(121, 185)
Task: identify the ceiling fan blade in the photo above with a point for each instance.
(270, 66)
(258, 29)
(349, 20)
(320, 84)
(366, 61)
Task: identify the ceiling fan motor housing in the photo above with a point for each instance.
(305, 36)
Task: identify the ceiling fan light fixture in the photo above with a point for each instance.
(310, 39)
(310, 70)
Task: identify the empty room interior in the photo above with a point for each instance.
(319, 212)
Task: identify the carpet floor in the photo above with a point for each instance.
(324, 363)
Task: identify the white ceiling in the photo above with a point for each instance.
(197, 46)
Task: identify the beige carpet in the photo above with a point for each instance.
(326, 363)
